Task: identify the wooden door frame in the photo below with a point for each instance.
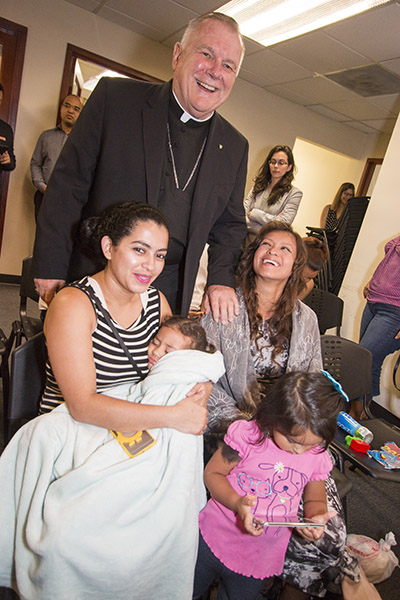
(12, 90)
(367, 175)
(75, 52)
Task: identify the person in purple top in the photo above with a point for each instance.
(380, 323)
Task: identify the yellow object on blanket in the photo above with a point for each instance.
(134, 444)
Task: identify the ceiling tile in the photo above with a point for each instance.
(252, 46)
(392, 65)
(201, 7)
(175, 37)
(390, 102)
(319, 90)
(360, 126)
(283, 92)
(253, 78)
(132, 24)
(360, 109)
(86, 4)
(327, 112)
(276, 68)
(384, 125)
(374, 34)
(319, 53)
(163, 16)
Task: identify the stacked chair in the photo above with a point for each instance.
(349, 226)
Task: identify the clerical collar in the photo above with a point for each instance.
(185, 116)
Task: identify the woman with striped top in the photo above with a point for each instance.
(88, 319)
(331, 213)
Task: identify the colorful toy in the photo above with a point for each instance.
(388, 455)
(357, 444)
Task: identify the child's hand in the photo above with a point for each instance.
(315, 533)
(243, 508)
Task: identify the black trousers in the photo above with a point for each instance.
(170, 283)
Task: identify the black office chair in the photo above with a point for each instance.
(343, 486)
(351, 365)
(327, 307)
(27, 381)
(30, 326)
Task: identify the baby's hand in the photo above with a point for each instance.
(315, 533)
(243, 508)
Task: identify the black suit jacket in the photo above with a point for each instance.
(115, 153)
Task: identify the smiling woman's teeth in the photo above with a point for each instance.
(267, 261)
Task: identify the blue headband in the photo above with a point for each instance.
(336, 384)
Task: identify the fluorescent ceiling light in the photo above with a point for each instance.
(272, 21)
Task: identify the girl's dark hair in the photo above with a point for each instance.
(191, 329)
(298, 402)
(317, 253)
(338, 195)
(117, 222)
(263, 177)
(281, 321)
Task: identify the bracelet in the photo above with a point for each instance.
(305, 502)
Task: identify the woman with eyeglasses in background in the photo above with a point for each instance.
(273, 197)
(331, 213)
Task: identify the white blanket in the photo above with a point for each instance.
(79, 519)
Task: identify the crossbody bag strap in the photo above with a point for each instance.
(396, 368)
(121, 342)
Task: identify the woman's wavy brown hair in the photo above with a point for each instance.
(281, 322)
(263, 176)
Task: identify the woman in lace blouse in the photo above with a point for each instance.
(273, 334)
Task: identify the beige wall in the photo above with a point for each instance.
(265, 119)
(320, 173)
(381, 224)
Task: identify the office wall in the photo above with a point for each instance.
(265, 119)
(381, 224)
(320, 173)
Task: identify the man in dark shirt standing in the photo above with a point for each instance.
(49, 146)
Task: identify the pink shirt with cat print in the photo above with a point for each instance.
(276, 479)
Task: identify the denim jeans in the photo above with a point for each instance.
(379, 324)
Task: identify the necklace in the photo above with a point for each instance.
(173, 161)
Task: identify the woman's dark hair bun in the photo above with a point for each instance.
(116, 222)
(88, 238)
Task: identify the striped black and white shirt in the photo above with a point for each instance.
(112, 365)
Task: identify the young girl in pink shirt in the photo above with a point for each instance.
(264, 469)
